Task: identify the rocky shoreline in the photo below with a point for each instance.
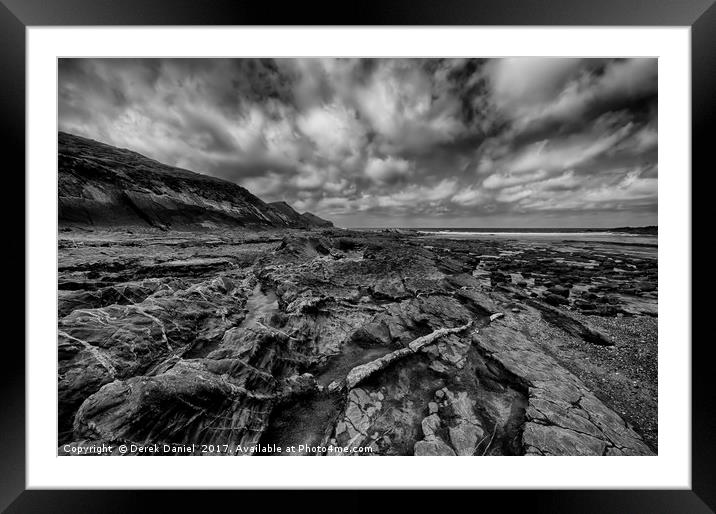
(401, 343)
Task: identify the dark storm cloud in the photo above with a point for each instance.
(422, 142)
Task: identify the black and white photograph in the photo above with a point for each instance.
(357, 256)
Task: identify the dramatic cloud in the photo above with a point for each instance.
(377, 142)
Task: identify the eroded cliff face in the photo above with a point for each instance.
(358, 340)
(305, 220)
(100, 185)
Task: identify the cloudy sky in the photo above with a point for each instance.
(515, 142)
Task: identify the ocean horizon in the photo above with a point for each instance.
(623, 235)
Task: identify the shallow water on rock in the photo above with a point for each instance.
(259, 305)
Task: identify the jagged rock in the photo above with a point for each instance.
(571, 325)
(439, 367)
(465, 430)
(452, 350)
(555, 300)
(559, 291)
(304, 303)
(432, 444)
(464, 438)
(360, 413)
(97, 346)
(390, 288)
(576, 420)
(302, 247)
(371, 334)
(271, 339)
(185, 404)
(438, 447)
(121, 294)
(430, 425)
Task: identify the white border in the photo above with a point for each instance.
(670, 469)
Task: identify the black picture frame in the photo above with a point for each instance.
(17, 15)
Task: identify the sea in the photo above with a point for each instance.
(543, 234)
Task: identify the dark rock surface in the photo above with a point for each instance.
(385, 341)
(100, 185)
